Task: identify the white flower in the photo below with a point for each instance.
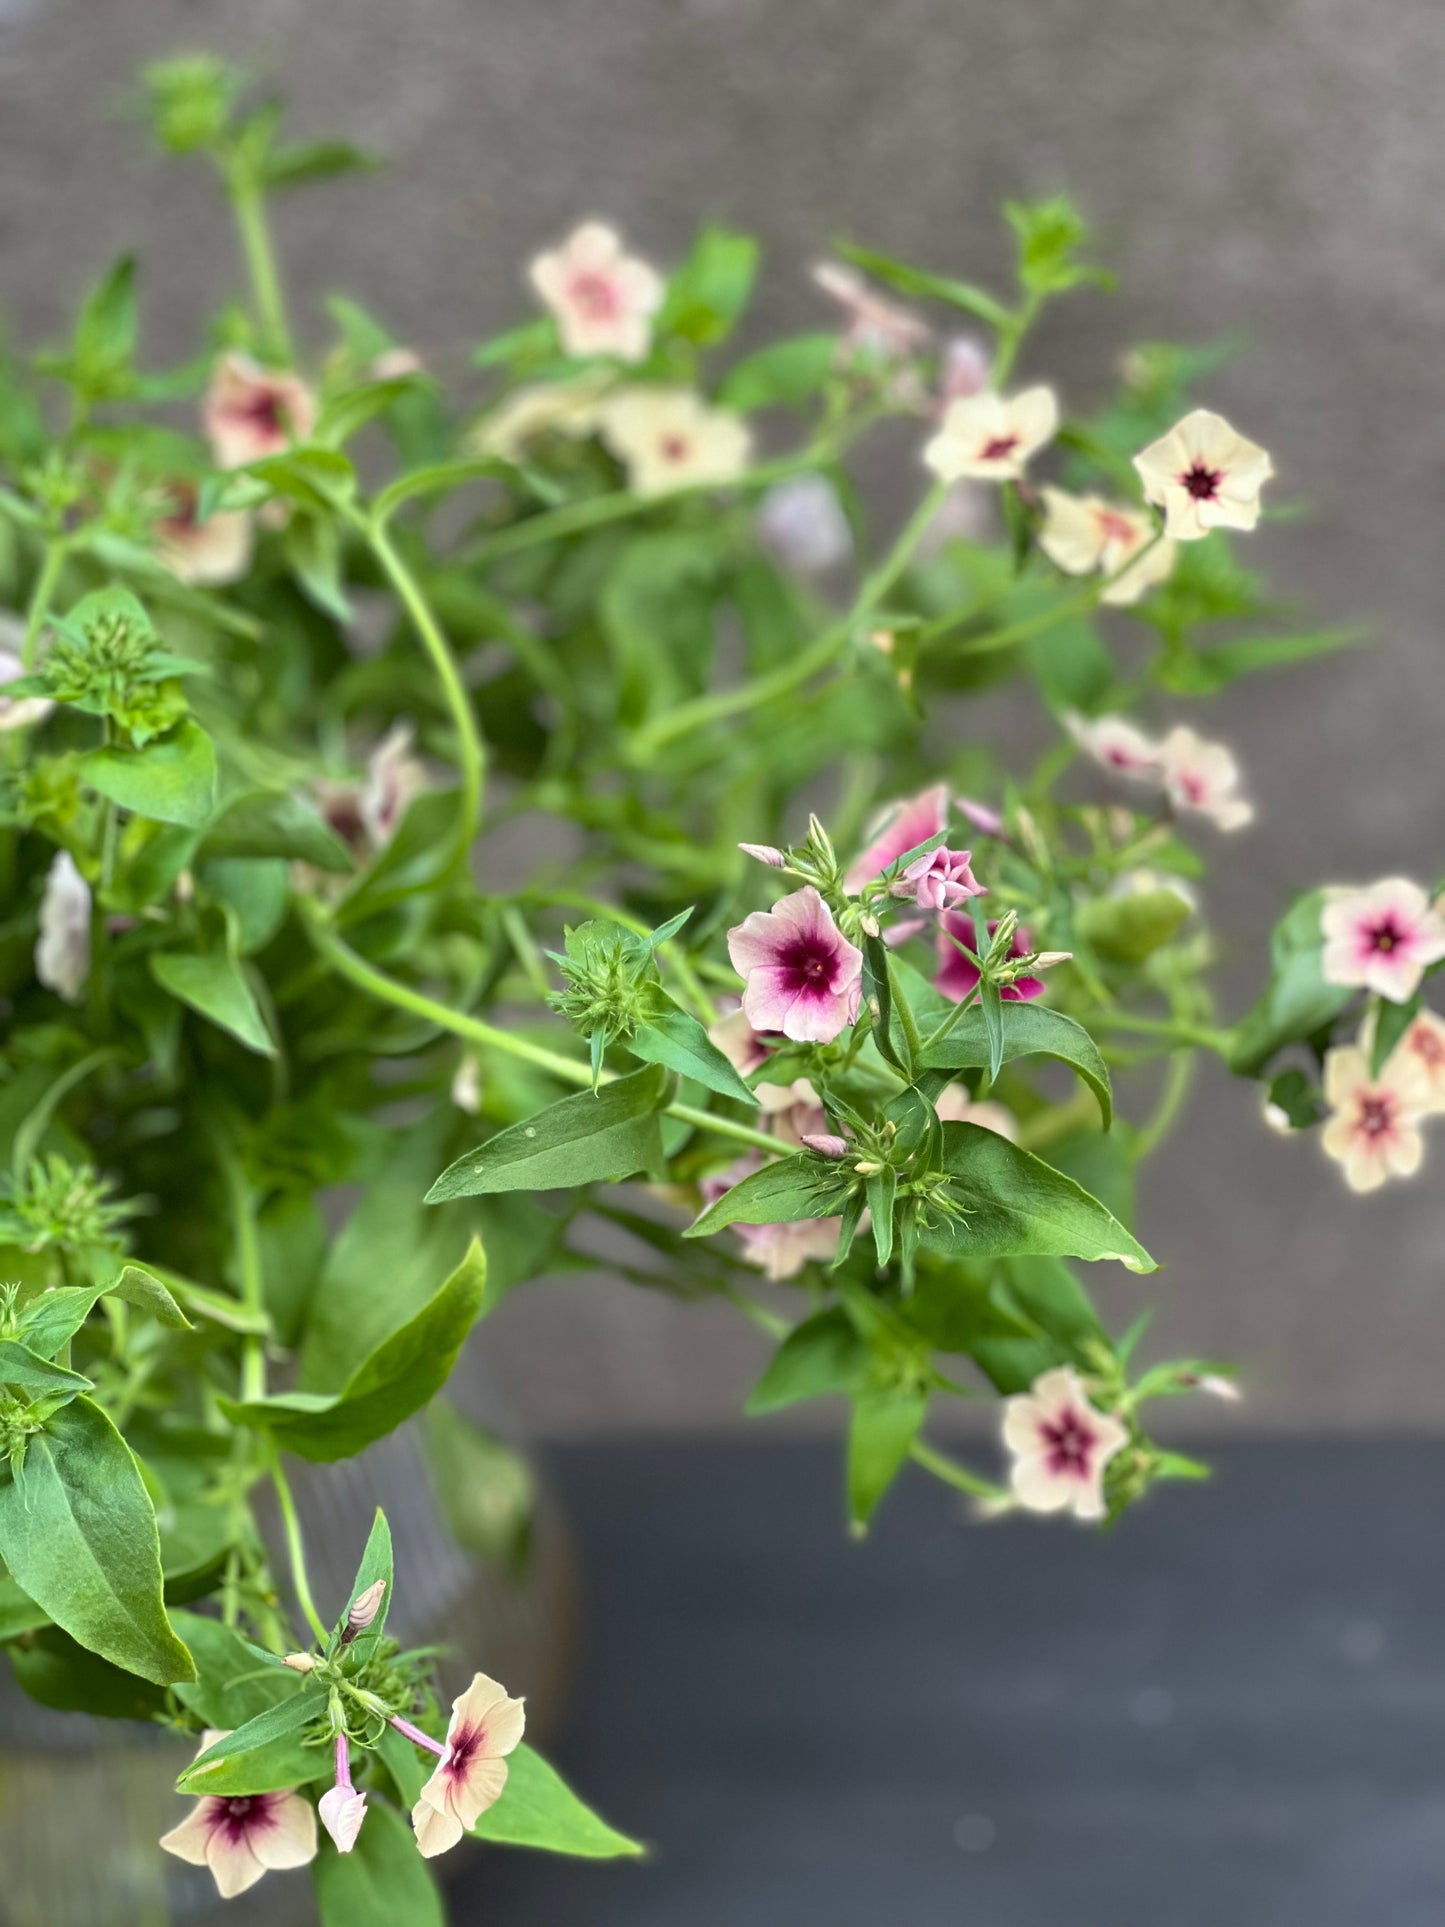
(394, 778)
(604, 299)
(204, 554)
(467, 1085)
(485, 1726)
(570, 408)
(240, 1837)
(1203, 777)
(251, 411)
(342, 1811)
(802, 522)
(1204, 475)
(1114, 742)
(669, 438)
(1423, 1046)
(1381, 938)
(62, 953)
(1373, 1131)
(1061, 1446)
(1082, 533)
(992, 436)
(18, 712)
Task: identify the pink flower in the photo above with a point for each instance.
(484, 1727)
(62, 952)
(365, 813)
(940, 880)
(341, 1807)
(205, 554)
(875, 325)
(1114, 742)
(604, 299)
(803, 977)
(1423, 1046)
(1374, 1127)
(957, 973)
(1203, 777)
(1061, 1446)
(1204, 475)
(241, 1836)
(898, 828)
(767, 853)
(781, 1250)
(1381, 938)
(251, 411)
(983, 819)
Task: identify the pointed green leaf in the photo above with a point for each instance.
(824, 1354)
(269, 1752)
(1013, 1203)
(885, 1423)
(784, 1192)
(584, 1139)
(171, 780)
(539, 1809)
(668, 1035)
(214, 985)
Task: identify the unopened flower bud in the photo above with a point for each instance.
(364, 1609)
(300, 1662)
(825, 1145)
(1046, 959)
(866, 1168)
(765, 853)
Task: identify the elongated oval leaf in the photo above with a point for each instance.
(214, 985)
(55, 1316)
(172, 780)
(1014, 1204)
(669, 1036)
(269, 1752)
(382, 1882)
(28, 1373)
(539, 1809)
(793, 1188)
(886, 1421)
(823, 1354)
(78, 1534)
(396, 1380)
(584, 1139)
(1297, 1001)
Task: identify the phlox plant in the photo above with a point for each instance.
(807, 1003)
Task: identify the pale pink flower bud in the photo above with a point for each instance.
(765, 853)
(342, 1808)
(825, 1145)
(940, 879)
(365, 1607)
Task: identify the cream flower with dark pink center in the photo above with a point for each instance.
(990, 436)
(241, 1837)
(251, 412)
(470, 1775)
(1373, 1130)
(1204, 475)
(898, 828)
(1203, 777)
(1084, 533)
(1115, 743)
(669, 438)
(802, 975)
(1060, 1445)
(604, 298)
(205, 554)
(1382, 938)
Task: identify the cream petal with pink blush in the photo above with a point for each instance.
(802, 976)
(604, 299)
(670, 438)
(991, 437)
(1203, 777)
(1061, 1446)
(780, 1251)
(1114, 743)
(18, 712)
(1381, 938)
(1423, 1048)
(1085, 533)
(875, 325)
(204, 555)
(1373, 1130)
(470, 1776)
(1205, 475)
(955, 1106)
(238, 1838)
(251, 412)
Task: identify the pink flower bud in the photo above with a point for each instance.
(825, 1145)
(365, 1608)
(939, 880)
(765, 853)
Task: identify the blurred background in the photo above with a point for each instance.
(1266, 173)
(1271, 173)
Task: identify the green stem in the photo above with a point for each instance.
(1011, 339)
(1176, 1089)
(568, 1069)
(295, 1550)
(471, 757)
(249, 202)
(56, 551)
(952, 1473)
(1185, 1035)
(248, 1263)
(705, 710)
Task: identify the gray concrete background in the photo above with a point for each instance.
(1276, 171)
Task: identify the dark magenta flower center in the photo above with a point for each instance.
(808, 962)
(1201, 482)
(1375, 1116)
(999, 447)
(1069, 1443)
(1387, 936)
(595, 295)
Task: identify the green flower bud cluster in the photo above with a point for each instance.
(607, 971)
(62, 1206)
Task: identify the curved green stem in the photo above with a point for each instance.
(249, 203)
(471, 757)
(56, 551)
(952, 1473)
(295, 1549)
(705, 710)
(569, 1070)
